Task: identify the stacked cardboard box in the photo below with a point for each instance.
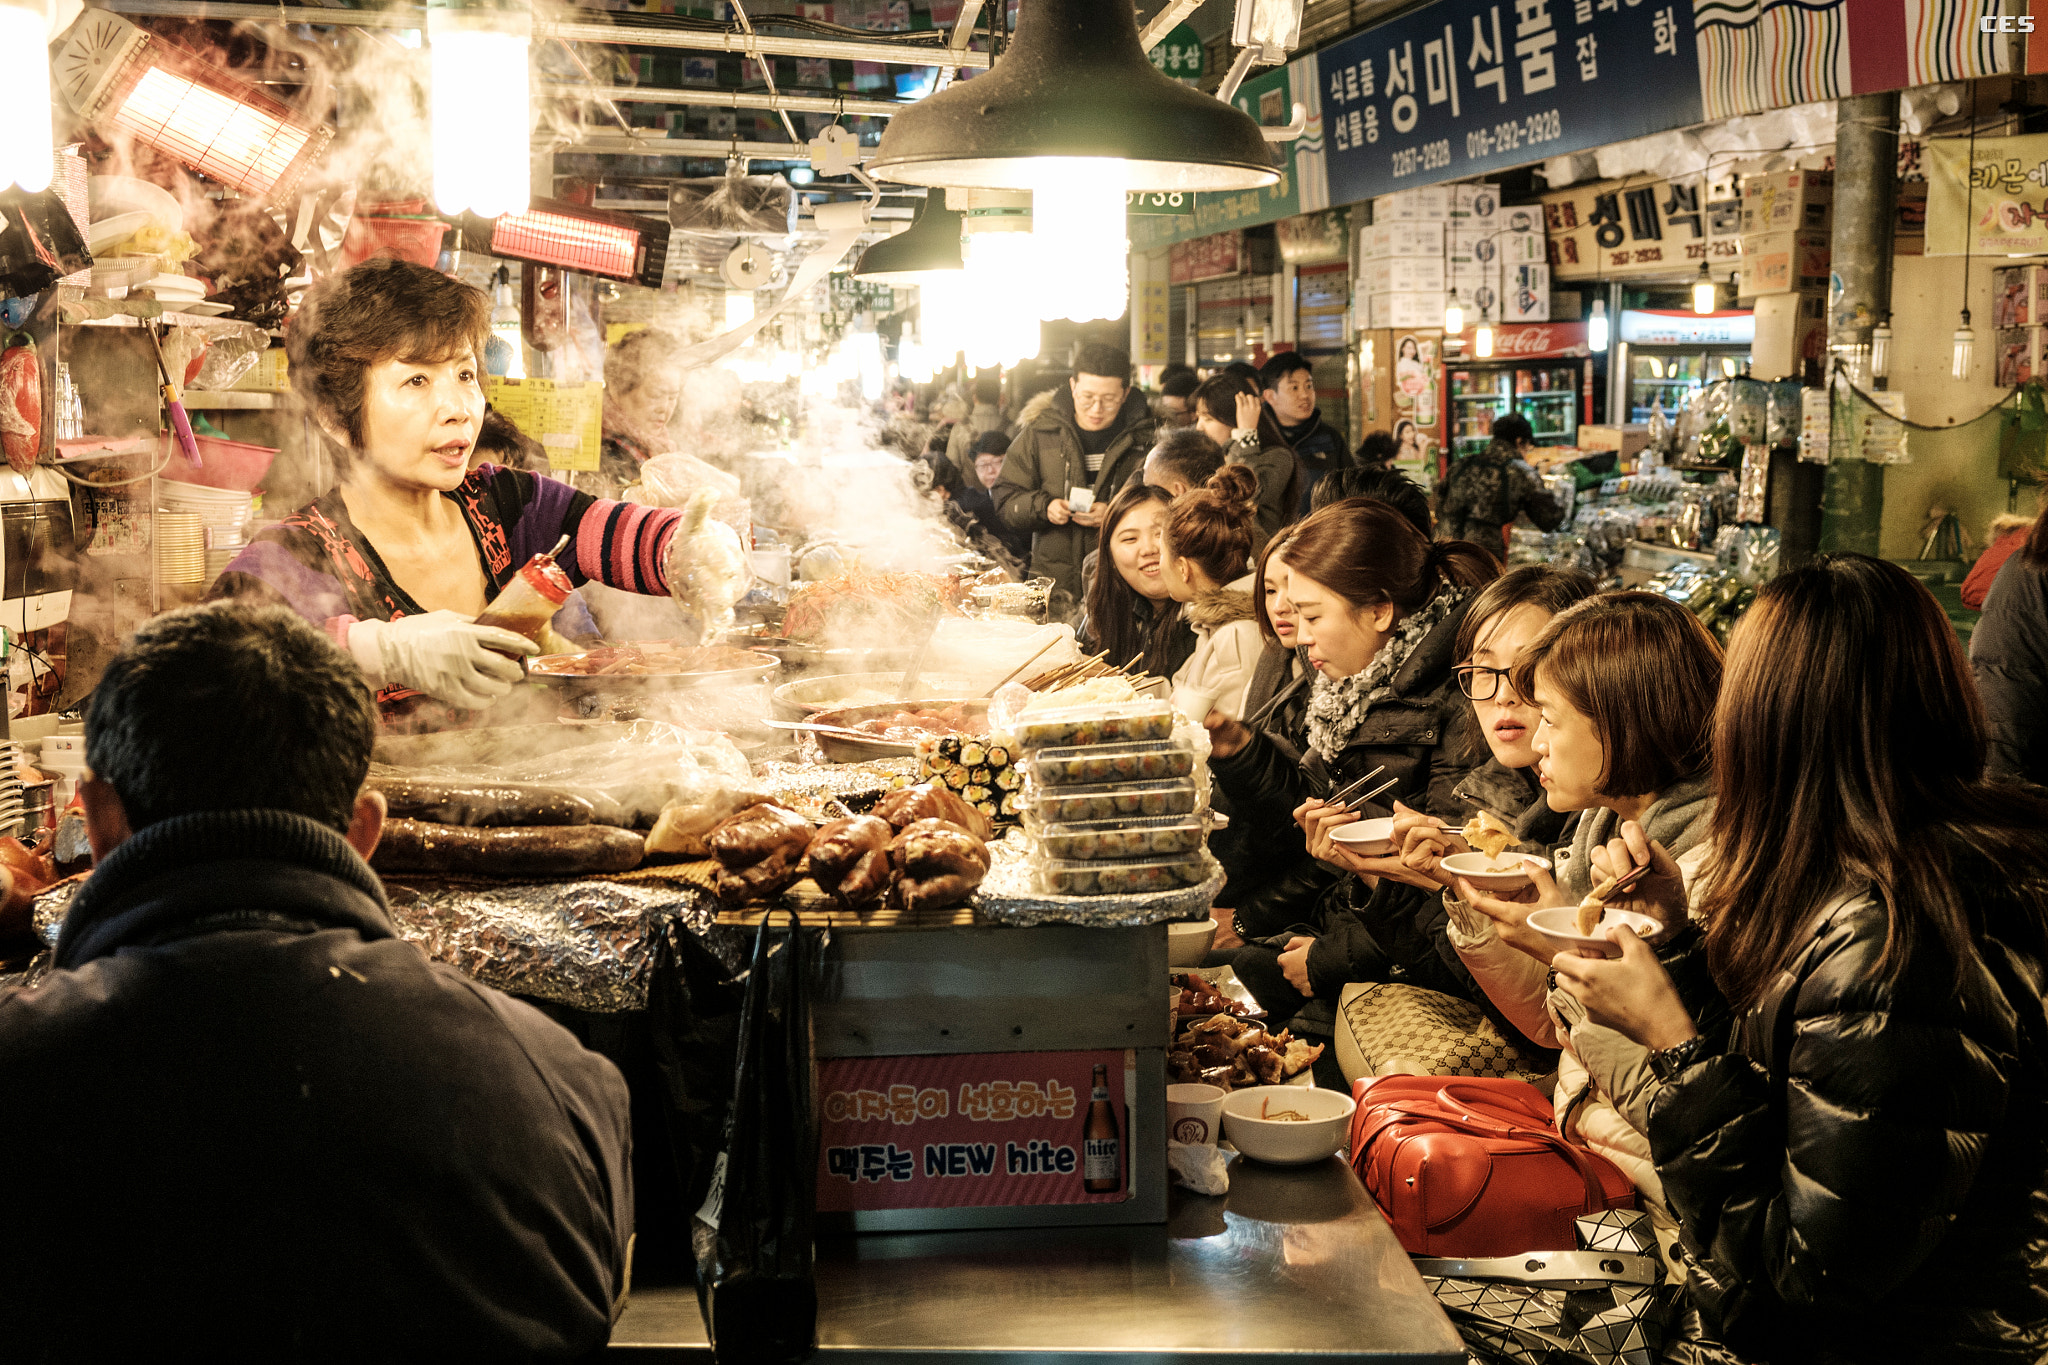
(1425, 243)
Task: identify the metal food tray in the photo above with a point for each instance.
(1010, 895)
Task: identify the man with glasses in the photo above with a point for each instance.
(1087, 436)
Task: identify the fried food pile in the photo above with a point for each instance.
(1226, 1051)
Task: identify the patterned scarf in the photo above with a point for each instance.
(1336, 709)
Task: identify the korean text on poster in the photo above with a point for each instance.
(1461, 87)
(976, 1130)
(567, 419)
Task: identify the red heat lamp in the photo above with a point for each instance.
(123, 77)
(614, 246)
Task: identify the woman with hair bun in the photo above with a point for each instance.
(1205, 560)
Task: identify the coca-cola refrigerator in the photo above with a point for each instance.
(1543, 370)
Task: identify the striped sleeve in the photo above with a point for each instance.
(623, 545)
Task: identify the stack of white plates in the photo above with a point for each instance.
(180, 548)
(12, 802)
(224, 512)
(217, 561)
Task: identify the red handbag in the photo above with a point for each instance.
(1472, 1166)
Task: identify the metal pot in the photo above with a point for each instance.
(841, 749)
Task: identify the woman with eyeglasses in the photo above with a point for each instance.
(1625, 687)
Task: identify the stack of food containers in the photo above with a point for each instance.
(1110, 797)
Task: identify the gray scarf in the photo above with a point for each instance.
(1336, 709)
(1680, 819)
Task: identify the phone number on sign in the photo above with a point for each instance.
(1430, 156)
(1507, 137)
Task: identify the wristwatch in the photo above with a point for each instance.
(1668, 1062)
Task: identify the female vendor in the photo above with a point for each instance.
(399, 558)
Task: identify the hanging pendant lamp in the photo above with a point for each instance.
(1075, 84)
(909, 258)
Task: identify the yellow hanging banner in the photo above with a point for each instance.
(1990, 202)
(567, 419)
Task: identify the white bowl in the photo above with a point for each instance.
(1368, 838)
(1188, 943)
(109, 196)
(1287, 1142)
(1510, 872)
(1559, 924)
(108, 231)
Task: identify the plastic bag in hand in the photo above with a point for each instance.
(707, 569)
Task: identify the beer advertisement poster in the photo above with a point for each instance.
(978, 1130)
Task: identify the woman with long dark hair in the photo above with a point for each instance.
(1859, 1163)
(2009, 653)
(1378, 606)
(1230, 411)
(1130, 612)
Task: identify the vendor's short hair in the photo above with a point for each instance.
(1184, 453)
(1645, 671)
(382, 309)
(637, 355)
(231, 706)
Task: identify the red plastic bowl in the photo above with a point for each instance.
(224, 464)
(417, 240)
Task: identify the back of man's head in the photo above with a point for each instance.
(988, 387)
(1106, 361)
(1186, 456)
(1181, 385)
(1390, 486)
(1511, 431)
(231, 707)
(1280, 366)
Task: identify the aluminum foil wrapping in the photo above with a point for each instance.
(590, 945)
(1010, 895)
(810, 788)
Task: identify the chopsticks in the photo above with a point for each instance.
(1280, 698)
(1342, 796)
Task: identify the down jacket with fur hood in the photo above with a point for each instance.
(1227, 646)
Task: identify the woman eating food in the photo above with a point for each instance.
(1859, 1161)
(398, 560)
(1503, 794)
(1131, 614)
(1625, 685)
(1378, 608)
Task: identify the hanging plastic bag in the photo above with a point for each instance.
(756, 1279)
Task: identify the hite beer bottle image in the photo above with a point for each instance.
(1102, 1166)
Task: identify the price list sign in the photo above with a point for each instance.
(1462, 87)
(567, 419)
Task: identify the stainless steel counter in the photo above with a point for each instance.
(1291, 1263)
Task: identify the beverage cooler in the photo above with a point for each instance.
(1662, 355)
(1542, 370)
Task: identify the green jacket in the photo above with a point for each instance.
(1045, 462)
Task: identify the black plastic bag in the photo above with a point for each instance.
(39, 242)
(756, 1279)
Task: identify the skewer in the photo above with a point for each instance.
(1035, 655)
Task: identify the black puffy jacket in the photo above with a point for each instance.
(1863, 1174)
(2009, 654)
(1418, 735)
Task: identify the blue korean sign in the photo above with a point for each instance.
(1462, 87)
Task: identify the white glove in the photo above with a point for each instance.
(443, 654)
(707, 568)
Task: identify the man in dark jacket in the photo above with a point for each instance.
(1484, 493)
(260, 1125)
(1090, 433)
(1289, 382)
